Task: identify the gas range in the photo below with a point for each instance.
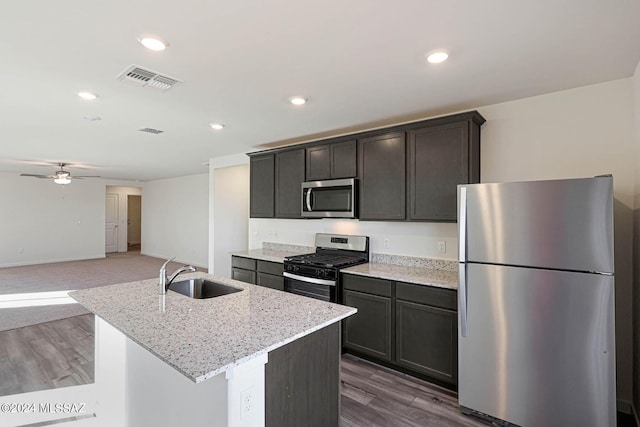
(317, 274)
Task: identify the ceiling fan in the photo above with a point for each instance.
(61, 177)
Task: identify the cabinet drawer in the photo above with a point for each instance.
(246, 263)
(436, 297)
(367, 285)
(270, 267)
(270, 281)
(243, 275)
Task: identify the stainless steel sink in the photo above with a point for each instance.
(202, 288)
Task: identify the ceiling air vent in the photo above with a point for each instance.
(142, 77)
(151, 130)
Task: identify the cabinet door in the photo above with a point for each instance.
(344, 162)
(261, 186)
(382, 177)
(318, 163)
(246, 276)
(369, 330)
(270, 281)
(289, 177)
(426, 340)
(438, 162)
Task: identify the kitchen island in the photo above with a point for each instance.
(255, 357)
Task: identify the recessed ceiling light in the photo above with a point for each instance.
(216, 126)
(153, 42)
(87, 95)
(298, 100)
(437, 57)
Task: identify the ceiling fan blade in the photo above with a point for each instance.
(84, 176)
(38, 176)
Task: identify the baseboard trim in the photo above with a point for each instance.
(51, 261)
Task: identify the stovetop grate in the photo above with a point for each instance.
(326, 260)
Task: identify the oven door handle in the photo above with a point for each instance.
(309, 279)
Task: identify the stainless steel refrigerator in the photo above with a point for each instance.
(536, 302)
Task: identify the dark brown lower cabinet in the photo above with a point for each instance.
(409, 327)
(257, 272)
(246, 276)
(426, 340)
(369, 330)
(302, 381)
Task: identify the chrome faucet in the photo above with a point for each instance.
(165, 281)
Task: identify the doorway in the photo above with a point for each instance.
(123, 223)
(134, 222)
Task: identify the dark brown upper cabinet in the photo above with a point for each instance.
(331, 161)
(439, 158)
(262, 186)
(381, 162)
(407, 172)
(289, 177)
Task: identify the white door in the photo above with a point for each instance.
(111, 223)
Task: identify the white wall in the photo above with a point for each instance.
(231, 206)
(42, 222)
(574, 133)
(122, 193)
(404, 238)
(175, 216)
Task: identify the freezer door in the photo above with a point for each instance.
(561, 224)
(539, 348)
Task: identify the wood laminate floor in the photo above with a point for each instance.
(48, 355)
(374, 396)
(61, 353)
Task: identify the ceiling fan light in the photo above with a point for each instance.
(62, 181)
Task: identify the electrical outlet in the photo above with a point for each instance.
(246, 401)
(442, 247)
(386, 243)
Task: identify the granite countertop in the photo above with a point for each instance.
(409, 274)
(202, 338)
(272, 255)
(421, 271)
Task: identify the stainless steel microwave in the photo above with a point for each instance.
(334, 198)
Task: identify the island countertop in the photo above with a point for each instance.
(202, 338)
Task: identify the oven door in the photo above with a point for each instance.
(326, 290)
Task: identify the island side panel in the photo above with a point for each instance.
(303, 381)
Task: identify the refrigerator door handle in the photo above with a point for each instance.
(462, 298)
(462, 224)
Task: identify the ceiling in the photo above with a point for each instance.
(360, 63)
